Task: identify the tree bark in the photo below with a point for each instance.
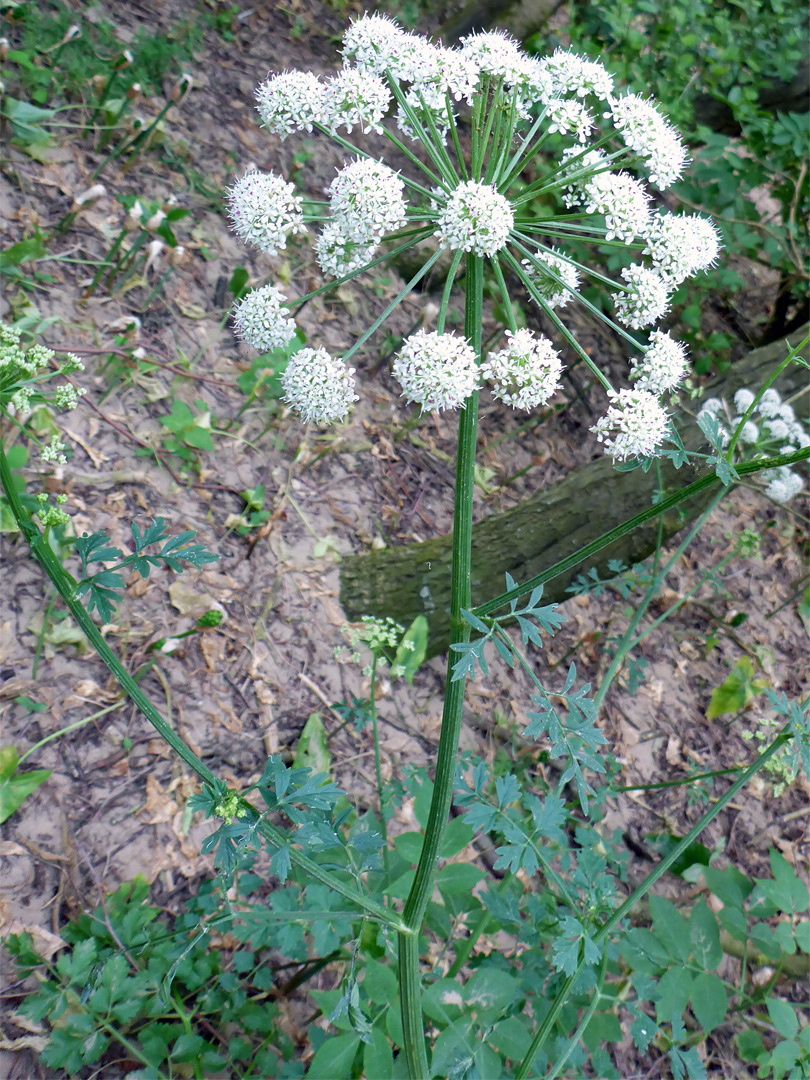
(414, 579)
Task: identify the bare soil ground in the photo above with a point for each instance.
(244, 689)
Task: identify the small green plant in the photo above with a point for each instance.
(188, 430)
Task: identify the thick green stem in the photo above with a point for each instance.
(416, 904)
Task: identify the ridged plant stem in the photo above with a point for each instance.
(423, 883)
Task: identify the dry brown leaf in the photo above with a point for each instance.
(189, 602)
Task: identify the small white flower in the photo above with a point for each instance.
(713, 406)
(318, 386)
(587, 167)
(67, 396)
(526, 373)
(651, 136)
(367, 200)
(742, 400)
(355, 99)
(623, 201)
(785, 485)
(569, 116)
(436, 371)
(54, 451)
(635, 424)
(664, 365)
(494, 53)
(373, 43)
(645, 301)
(476, 218)
(571, 73)
(554, 294)
(263, 209)
(338, 254)
(777, 428)
(424, 114)
(750, 431)
(770, 403)
(680, 245)
(291, 101)
(787, 414)
(262, 320)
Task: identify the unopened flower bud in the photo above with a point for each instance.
(134, 92)
(153, 251)
(128, 325)
(90, 196)
(139, 353)
(99, 82)
(124, 60)
(3, 48)
(155, 221)
(181, 87)
(177, 256)
(132, 221)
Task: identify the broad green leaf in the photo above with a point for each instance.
(378, 1059)
(736, 691)
(490, 988)
(457, 879)
(312, 751)
(14, 786)
(802, 935)
(709, 1000)
(749, 1045)
(728, 885)
(783, 1017)
(443, 1001)
(412, 649)
(409, 845)
(457, 836)
(670, 928)
(733, 922)
(22, 251)
(379, 982)
(334, 1058)
(672, 995)
(705, 936)
(188, 1047)
(792, 892)
(511, 1038)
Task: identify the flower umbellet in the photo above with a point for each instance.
(606, 154)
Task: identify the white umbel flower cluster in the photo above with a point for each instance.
(291, 101)
(664, 366)
(320, 387)
(570, 117)
(785, 485)
(645, 300)
(573, 74)
(367, 200)
(651, 136)
(262, 321)
(555, 294)
(374, 43)
(475, 218)
(355, 99)
(338, 255)
(436, 371)
(635, 424)
(680, 245)
(526, 373)
(264, 209)
(623, 201)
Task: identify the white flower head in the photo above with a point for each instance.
(568, 116)
(570, 73)
(635, 424)
(573, 177)
(367, 200)
(785, 485)
(54, 451)
(262, 320)
(339, 254)
(476, 218)
(436, 371)
(646, 131)
(291, 101)
(427, 111)
(770, 403)
(263, 209)
(526, 373)
(355, 99)
(664, 365)
(318, 386)
(494, 53)
(680, 245)
(742, 400)
(623, 201)
(646, 299)
(556, 295)
(777, 428)
(373, 43)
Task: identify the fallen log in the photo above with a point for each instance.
(414, 579)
